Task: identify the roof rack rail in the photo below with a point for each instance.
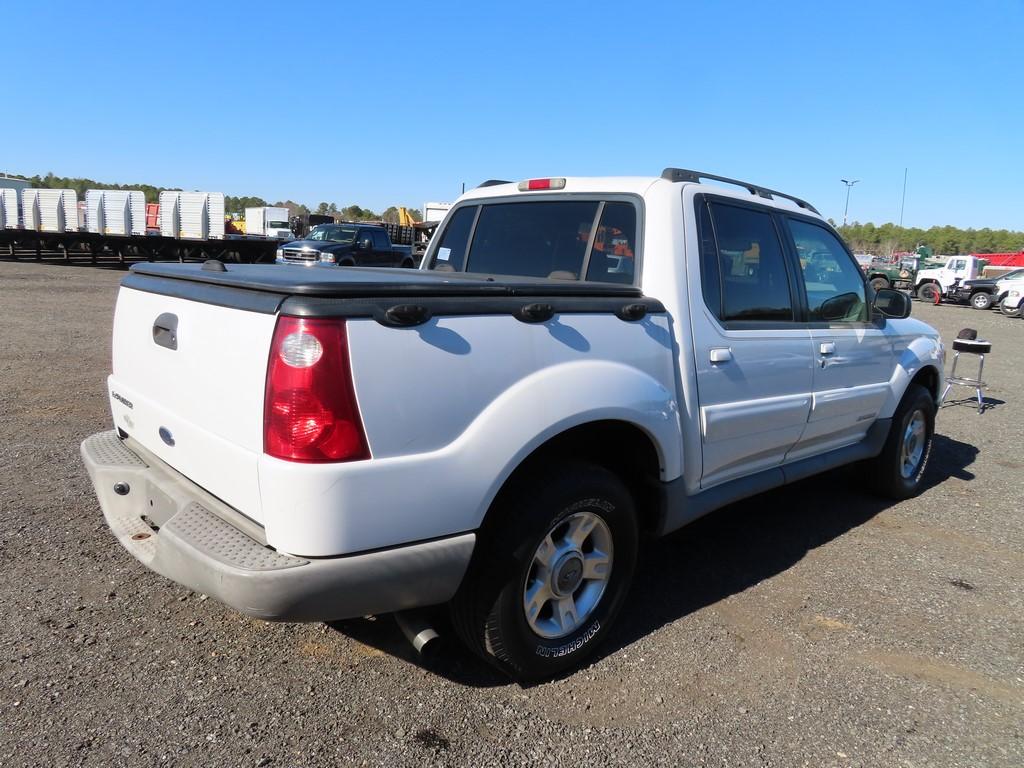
(682, 174)
(492, 183)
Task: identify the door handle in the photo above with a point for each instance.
(720, 355)
(827, 348)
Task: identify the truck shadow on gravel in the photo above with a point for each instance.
(720, 555)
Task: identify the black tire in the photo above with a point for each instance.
(407, 264)
(878, 283)
(489, 613)
(1009, 311)
(885, 473)
(981, 300)
(928, 292)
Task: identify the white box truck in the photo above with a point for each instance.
(266, 221)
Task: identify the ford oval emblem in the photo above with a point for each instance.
(166, 436)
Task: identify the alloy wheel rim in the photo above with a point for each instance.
(912, 447)
(568, 575)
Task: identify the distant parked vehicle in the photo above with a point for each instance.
(1011, 303)
(985, 292)
(346, 245)
(933, 283)
(269, 222)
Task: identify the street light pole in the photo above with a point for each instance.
(848, 184)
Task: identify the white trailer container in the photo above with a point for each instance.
(8, 208)
(93, 210)
(435, 211)
(30, 208)
(115, 211)
(267, 221)
(196, 215)
(169, 213)
(50, 210)
(215, 210)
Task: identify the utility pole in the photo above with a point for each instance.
(849, 185)
(903, 202)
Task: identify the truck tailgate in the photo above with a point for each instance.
(188, 383)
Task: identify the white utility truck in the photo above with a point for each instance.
(577, 361)
(940, 279)
(267, 221)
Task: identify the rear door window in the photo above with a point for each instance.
(751, 265)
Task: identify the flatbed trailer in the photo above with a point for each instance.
(26, 243)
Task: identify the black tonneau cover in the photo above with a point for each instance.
(351, 282)
(396, 297)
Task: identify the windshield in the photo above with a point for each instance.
(277, 224)
(1017, 274)
(332, 233)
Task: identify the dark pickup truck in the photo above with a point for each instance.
(346, 245)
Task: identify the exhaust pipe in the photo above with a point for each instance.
(419, 632)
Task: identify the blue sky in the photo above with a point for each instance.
(398, 103)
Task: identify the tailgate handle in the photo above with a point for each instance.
(165, 330)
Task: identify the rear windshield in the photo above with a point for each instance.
(563, 240)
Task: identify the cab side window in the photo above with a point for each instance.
(380, 240)
(750, 263)
(834, 283)
(450, 255)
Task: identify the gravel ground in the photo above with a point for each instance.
(813, 626)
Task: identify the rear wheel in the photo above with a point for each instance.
(897, 471)
(981, 300)
(550, 572)
(1009, 311)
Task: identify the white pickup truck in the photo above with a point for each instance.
(578, 361)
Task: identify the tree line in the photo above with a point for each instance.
(232, 204)
(884, 239)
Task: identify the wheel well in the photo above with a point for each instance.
(617, 446)
(928, 378)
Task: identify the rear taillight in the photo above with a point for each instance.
(309, 410)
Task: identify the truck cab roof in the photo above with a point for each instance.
(640, 186)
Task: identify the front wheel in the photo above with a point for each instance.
(897, 471)
(878, 283)
(1009, 311)
(551, 571)
(929, 292)
(981, 300)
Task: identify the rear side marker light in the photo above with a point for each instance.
(534, 184)
(310, 412)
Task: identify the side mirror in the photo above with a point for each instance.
(892, 303)
(366, 244)
(841, 307)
